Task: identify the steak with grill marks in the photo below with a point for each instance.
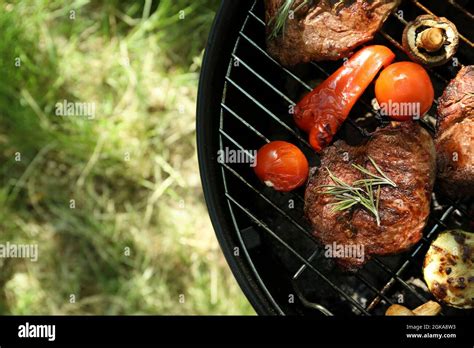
(325, 29)
(455, 136)
(406, 154)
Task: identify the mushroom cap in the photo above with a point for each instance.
(412, 36)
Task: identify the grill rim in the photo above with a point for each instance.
(222, 37)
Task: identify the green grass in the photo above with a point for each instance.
(138, 240)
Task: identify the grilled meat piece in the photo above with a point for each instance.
(324, 29)
(406, 154)
(455, 136)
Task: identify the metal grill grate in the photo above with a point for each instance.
(257, 94)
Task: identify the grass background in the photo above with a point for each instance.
(139, 240)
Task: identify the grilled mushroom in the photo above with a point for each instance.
(430, 40)
(398, 310)
(448, 268)
(427, 309)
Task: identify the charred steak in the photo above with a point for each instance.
(406, 154)
(324, 29)
(455, 136)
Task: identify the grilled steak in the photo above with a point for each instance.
(324, 29)
(455, 136)
(406, 154)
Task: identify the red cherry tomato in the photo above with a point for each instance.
(281, 165)
(404, 91)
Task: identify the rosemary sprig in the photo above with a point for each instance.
(365, 192)
(283, 14)
(279, 20)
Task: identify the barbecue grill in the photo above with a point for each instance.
(244, 101)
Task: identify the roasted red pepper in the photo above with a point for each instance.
(322, 111)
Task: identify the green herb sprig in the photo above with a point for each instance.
(279, 20)
(365, 192)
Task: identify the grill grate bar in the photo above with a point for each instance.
(445, 215)
(440, 222)
(400, 18)
(303, 266)
(301, 258)
(276, 90)
(310, 304)
(375, 301)
(271, 114)
(245, 123)
(223, 132)
(396, 276)
(374, 289)
(460, 210)
(257, 18)
(261, 50)
(462, 9)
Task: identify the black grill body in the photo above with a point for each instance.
(243, 102)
